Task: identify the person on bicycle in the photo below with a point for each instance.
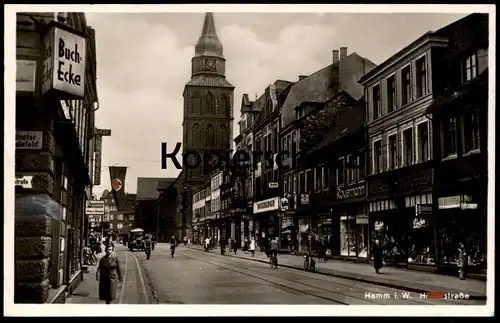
(273, 248)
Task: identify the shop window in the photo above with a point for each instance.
(377, 156)
(423, 141)
(318, 176)
(471, 130)
(393, 150)
(421, 76)
(391, 93)
(469, 67)
(449, 137)
(348, 236)
(376, 101)
(340, 172)
(421, 241)
(362, 235)
(408, 146)
(389, 234)
(406, 85)
(455, 227)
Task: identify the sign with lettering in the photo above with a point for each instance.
(102, 132)
(423, 209)
(304, 199)
(362, 219)
(25, 181)
(64, 62)
(357, 191)
(94, 208)
(29, 140)
(273, 185)
(25, 75)
(266, 205)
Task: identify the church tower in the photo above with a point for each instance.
(208, 103)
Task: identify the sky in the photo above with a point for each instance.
(144, 61)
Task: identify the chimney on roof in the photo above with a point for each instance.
(335, 56)
(343, 52)
(301, 77)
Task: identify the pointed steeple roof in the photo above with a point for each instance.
(209, 44)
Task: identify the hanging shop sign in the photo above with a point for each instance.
(25, 75)
(266, 205)
(273, 185)
(29, 140)
(423, 209)
(419, 223)
(343, 194)
(64, 61)
(94, 208)
(284, 204)
(362, 219)
(24, 181)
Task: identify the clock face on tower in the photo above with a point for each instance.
(209, 64)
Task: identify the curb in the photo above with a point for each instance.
(421, 289)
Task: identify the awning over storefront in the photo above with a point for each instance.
(464, 202)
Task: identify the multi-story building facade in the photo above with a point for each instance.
(54, 152)
(304, 223)
(266, 206)
(121, 222)
(202, 220)
(400, 168)
(244, 179)
(459, 116)
(215, 229)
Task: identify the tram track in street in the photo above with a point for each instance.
(382, 295)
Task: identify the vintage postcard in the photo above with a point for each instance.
(271, 157)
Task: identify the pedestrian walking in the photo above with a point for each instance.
(377, 256)
(245, 245)
(461, 260)
(235, 247)
(252, 246)
(222, 246)
(108, 274)
(185, 241)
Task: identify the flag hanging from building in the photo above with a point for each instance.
(117, 175)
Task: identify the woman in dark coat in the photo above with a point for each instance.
(108, 275)
(377, 256)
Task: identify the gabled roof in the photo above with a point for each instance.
(147, 187)
(322, 85)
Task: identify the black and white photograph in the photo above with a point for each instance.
(206, 156)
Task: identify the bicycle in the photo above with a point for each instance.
(89, 258)
(273, 261)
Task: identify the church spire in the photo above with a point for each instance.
(209, 44)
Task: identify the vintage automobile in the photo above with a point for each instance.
(135, 239)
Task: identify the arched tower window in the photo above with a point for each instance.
(209, 107)
(210, 143)
(224, 106)
(196, 136)
(224, 136)
(196, 103)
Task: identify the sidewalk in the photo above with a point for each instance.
(87, 291)
(410, 280)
